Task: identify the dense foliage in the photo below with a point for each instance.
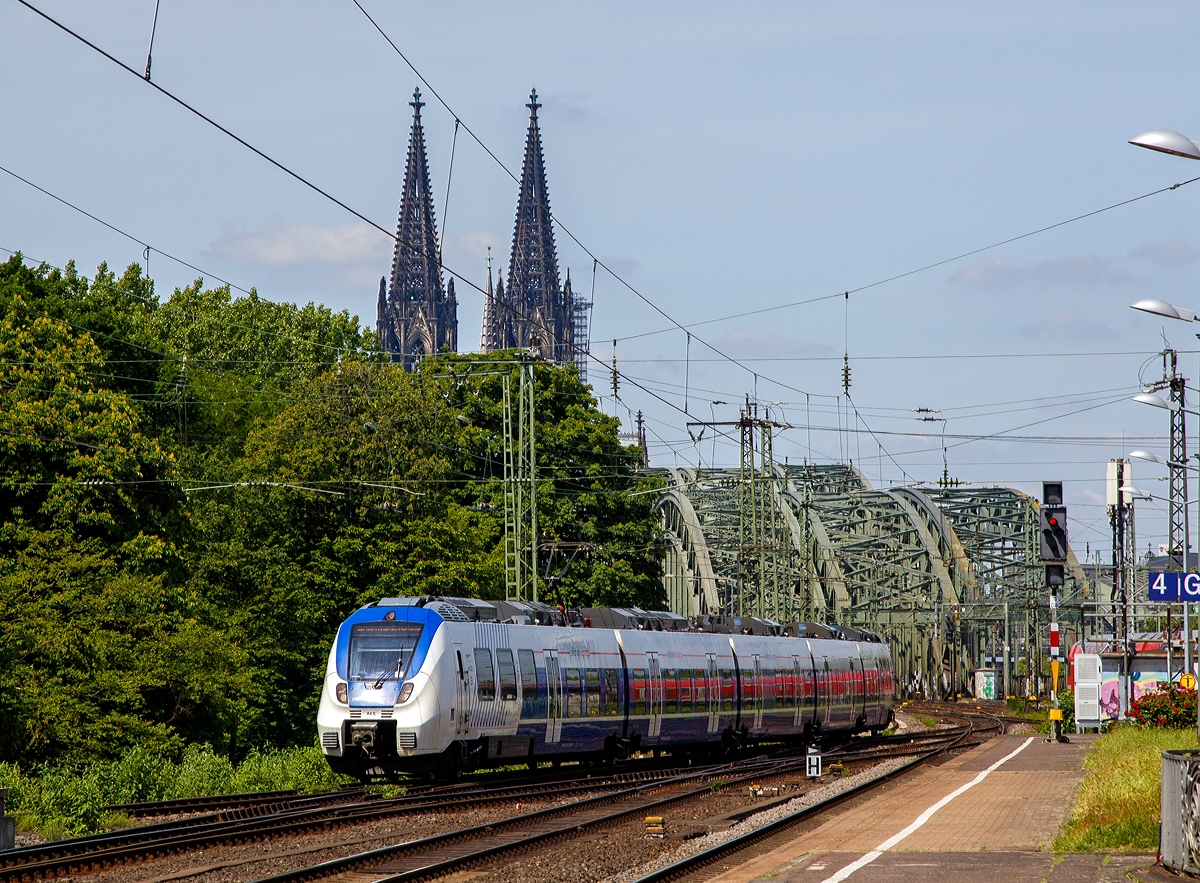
(197, 490)
(1172, 707)
(68, 802)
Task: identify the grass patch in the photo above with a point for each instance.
(1119, 800)
(59, 802)
(929, 721)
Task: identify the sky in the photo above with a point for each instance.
(714, 162)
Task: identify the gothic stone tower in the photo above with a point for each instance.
(534, 310)
(416, 316)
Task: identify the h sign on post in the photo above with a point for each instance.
(813, 765)
(1168, 588)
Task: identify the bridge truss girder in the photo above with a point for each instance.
(930, 570)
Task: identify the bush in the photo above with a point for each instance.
(1172, 708)
(1066, 702)
(69, 801)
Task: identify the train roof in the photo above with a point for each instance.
(629, 618)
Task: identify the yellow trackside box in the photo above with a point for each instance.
(1056, 714)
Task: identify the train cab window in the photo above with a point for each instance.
(637, 682)
(726, 689)
(484, 675)
(529, 690)
(670, 694)
(574, 693)
(382, 651)
(611, 694)
(592, 691)
(508, 674)
(685, 690)
(701, 698)
(768, 689)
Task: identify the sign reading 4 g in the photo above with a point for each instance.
(1168, 587)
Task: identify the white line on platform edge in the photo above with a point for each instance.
(920, 820)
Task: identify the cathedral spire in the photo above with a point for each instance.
(542, 315)
(419, 317)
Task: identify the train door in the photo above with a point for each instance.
(825, 699)
(655, 698)
(714, 694)
(857, 691)
(757, 689)
(462, 694)
(797, 693)
(553, 697)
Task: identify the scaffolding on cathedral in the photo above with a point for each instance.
(582, 350)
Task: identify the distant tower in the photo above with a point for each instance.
(534, 311)
(416, 316)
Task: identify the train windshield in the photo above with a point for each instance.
(382, 651)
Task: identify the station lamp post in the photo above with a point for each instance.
(1166, 141)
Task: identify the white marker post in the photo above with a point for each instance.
(813, 762)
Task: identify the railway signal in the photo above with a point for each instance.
(1053, 549)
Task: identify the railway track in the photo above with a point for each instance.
(461, 850)
(296, 817)
(249, 818)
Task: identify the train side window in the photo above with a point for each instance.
(574, 693)
(685, 690)
(592, 689)
(701, 689)
(768, 689)
(670, 697)
(612, 695)
(484, 674)
(508, 674)
(529, 691)
(638, 685)
(726, 689)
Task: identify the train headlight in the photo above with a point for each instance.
(340, 692)
(405, 692)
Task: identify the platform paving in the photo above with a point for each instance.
(1001, 825)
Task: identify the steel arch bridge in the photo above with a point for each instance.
(944, 574)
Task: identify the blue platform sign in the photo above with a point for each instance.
(1171, 587)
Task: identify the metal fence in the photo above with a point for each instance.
(1179, 834)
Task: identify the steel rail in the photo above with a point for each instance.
(97, 852)
(438, 867)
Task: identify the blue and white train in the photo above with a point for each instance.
(440, 685)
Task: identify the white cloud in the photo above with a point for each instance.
(1002, 271)
(466, 253)
(744, 344)
(1065, 322)
(280, 243)
(1170, 254)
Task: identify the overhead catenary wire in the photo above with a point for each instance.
(119, 231)
(314, 187)
(734, 361)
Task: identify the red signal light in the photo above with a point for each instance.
(1053, 521)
